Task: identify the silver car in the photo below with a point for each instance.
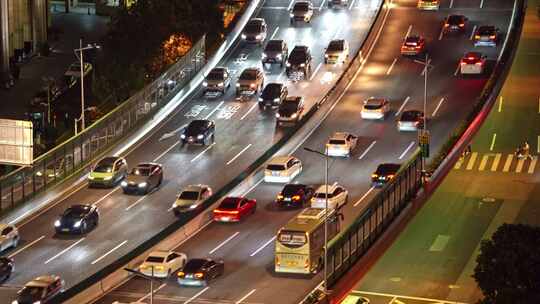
(9, 237)
(255, 31)
(337, 51)
(218, 80)
(302, 11)
(191, 198)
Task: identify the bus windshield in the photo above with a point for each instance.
(292, 238)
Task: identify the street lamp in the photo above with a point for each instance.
(325, 155)
(150, 278)
(79, 54)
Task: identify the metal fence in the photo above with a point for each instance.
(347, 247)
(77, 152)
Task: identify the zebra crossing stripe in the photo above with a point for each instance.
(532, 165)
(520, 164)
(508, 162)
(459, 163)
(470, 164)
(496, 161)
(483, 162)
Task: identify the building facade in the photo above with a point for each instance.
(23, 31)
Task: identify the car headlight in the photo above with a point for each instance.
(244, 36)
(200, 136)
(220, 84)
(302, 64)
(292, 15)
(142, 185)
(77, 224)
(277, 115)
(90, 177)
(294, 115)
(193, 206)
(258, 36)
(276, 99)
(278, 56)
(264, 55)
(183, 136)
(325, 55)
(260, 99)
(123, 184)
(57, 223)
(288, 64)
(107, 178)
(237, 85)
(39, 173)
(205, 83)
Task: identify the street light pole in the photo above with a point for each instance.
(82, 83)
(425, 90)
(151, 278)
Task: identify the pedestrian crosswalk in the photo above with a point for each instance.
(496, 162)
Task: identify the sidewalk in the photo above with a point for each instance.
(74, 25)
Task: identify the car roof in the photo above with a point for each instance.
(303, 2)
(295, 187)
(331, 188)
(388, 167)
(411, 112)
(279, 160)
(258, 21)
(251, 70)
(147, 165)
(413, 38)
(196, 188)
(42, 281)
(300, 48)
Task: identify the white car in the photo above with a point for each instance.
(337, 197)
(9, 236)
(341, 144)
(337, 51)
(428, 4)
(282, 169)
(161, 264)
(191, 198)
(375, 108)
(472, 63)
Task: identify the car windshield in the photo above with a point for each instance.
(336, 141)
(141, 171)
(298, 55)
(301, 7)
(274, 167)
(229, 203)
(373, 105)
(272, 90)
(194, 265)
(486, 30)
(32, 292)
(387, 169)
(322, 195)
(215, 75)
(291, 189)
(189, 195)
(196, 126)
(455, 19)
(273, 46)
(250, 74)
(155, 259)
(336, 46)
(75, 212)
(253, 27)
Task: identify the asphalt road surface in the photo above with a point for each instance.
(247, 247)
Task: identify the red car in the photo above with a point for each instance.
(234, 209)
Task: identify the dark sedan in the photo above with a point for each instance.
(273, 95)
(295, 196)
(77, 219)
(290, 110)
(454, 23)
(6, 268)
(143, 178)
(198, 272)
(384, 174)
(199, 132)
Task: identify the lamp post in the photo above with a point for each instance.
(79, 54)
(325, 155)
(150, 278)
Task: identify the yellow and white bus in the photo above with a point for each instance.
(300, 243)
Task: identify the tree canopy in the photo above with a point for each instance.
(508, 266)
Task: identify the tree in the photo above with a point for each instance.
(508, 266)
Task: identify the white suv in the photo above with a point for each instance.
(337, 197)
(282, 169)
(341, 144)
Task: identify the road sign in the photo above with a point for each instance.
(423, 140)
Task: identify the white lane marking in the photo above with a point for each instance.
(26, 246)
(105, 196)
(291, 5)
(196, 295)
(274, 33)
(166, 151)
(237, 155)
(532, 165)
(155, 291)
(109, 252)
(322, 5)
(249, 111)
(224, 242)
(402, 106)
(493, 142)
(481, 3)
(457, 69)
(316, 70)
(406, 150)
(352, 5)
(408, 31)
(472, 33)
(202, 152)
(388, 295)
(441, 33)
(438, 106)
(508, 31)
(500, 104)
(245, 297)
(64, 251)
(367, 149)
(214, 110)
(364, 196)
(262, 247)
(451, 3)
(135, 203)
(391, 67)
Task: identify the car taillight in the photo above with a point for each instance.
(446, 25)
(492, 37)
(181, 274)
(199, 275)
(461, 24)
(479, 63)
(277, 261)
(390, 176)
(418, 46)
(476, 36)
(225, 211)
(296, 197)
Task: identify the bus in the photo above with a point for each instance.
(300, 243)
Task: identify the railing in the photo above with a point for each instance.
(348, 246)
(76, 153)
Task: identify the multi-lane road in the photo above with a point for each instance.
(247, 247)
(243, 134)
(434, 257)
